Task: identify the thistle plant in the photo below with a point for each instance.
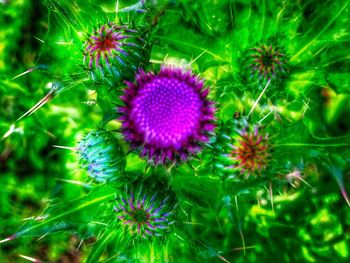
(221, 132)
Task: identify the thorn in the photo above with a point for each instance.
(306, 104)
(31, 69)
(338, 176)
(345, 195)
(35, 260)
(236, 201)
(42, 41)
(222, 258)
(42, 236)
(65, 147)
(201, 54)
(24, 73)
(9, 132)
(301, 179)
(38, 218)
(271, 197)
(267, 115)
(78, 247)
(8, 239)
(258, 99)
(175, 234)
(37, 106)
(214, 251)
(343, 191)
(243, 248)
(88, 186)
(243, 241)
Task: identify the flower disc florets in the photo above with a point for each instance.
(113, 49)
(167, 114)
(251, 152)
(101, 154)
(142, 216)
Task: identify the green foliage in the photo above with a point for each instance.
(280, 66)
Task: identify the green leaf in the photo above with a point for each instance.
(198, 189)
(99, 247)
(71, 214)
(340, 82)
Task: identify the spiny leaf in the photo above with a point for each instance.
(99, 247)
(68, 214)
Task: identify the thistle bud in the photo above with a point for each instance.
(264, 62)
(144, 215)
(114, 51)
(102, 156)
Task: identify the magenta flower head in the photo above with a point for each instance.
(167, 114)
(144, 216)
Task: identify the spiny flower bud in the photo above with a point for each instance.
(114, 50)
(250, 152)
(167, 114)
(265, 62)
(101, 154)
(143, 216)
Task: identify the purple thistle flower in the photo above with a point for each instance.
(167, 114)
(251, 152)
(144, 217)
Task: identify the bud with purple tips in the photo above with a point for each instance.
(265, 62)
(114, 50)
(167, 114)
(144, 216)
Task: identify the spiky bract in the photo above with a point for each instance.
(251, 151)
(114, 50)
(142, 215)
(101, 154)
(265, 62)
(167, 114)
